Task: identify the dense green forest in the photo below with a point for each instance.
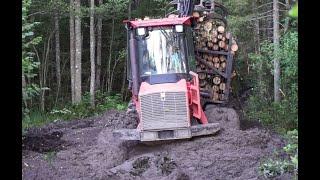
(74, 57)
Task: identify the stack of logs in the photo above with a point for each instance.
(210, 34)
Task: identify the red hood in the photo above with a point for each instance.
(159, 22)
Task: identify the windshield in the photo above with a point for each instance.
(162, 52)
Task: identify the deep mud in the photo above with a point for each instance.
(86, 149)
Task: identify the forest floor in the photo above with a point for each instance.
(86, 149)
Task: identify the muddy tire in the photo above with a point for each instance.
(194, 121)
(226, 117)
(131, 107)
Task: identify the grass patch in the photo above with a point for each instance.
(104, 102)
(281, 117)
(49, 156)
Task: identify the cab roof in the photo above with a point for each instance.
(159, 22)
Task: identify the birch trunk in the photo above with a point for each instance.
(78, 46)
(108, 85)
(276, 49)
(99, 29)
(124, 76)
(57, 43)
(92, 53)
(44, 71)
(72, 51)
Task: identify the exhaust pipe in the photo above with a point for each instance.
(134, 64)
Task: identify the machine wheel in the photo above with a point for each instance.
(226, 117)
(194, 121)
(131, 107)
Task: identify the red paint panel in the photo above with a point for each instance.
(146, 88)
(197, 110)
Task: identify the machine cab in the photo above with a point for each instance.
(160, 50)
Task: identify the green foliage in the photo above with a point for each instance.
(282, 116)
(34, 118)
(294, 11)
(29, 65)
(82, 110)
(151, 8)
(111, 102)
(112, 7)
(49, 156)
(273, 167)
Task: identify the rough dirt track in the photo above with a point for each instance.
(85, 149)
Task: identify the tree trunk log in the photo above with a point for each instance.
(72, 50)
(78, 53)
(99, 30)
(92, 55)
(276, 37)
(57, 43)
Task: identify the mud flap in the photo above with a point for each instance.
(204, 129)
(126, 134)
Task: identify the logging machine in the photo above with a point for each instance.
(178, 66)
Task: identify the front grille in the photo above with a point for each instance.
(164, 111)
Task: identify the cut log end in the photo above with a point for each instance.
(234, 47)
(216, 80)
(222, 44)
(196, 14)
(221, 29)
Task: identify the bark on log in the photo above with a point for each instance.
(221, 97)
(215, 88)
(210, 63)
(212, 35)
(215, 96)
(222, 58)
(203, 83)
(222, 86)
(228, 35)
(202, 76)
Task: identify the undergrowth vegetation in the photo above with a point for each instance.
(288, 163)
(82, 110)
(281, 116)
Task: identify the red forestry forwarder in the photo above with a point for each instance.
(165, 91)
